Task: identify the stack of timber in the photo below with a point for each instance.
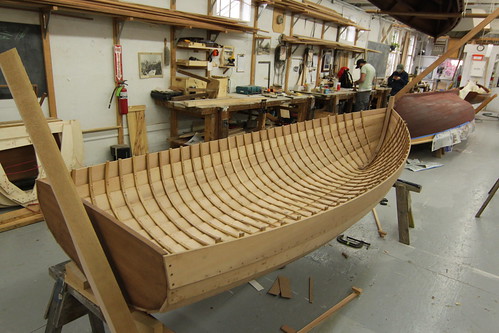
(299, 39)
(19, 165)
(181, 225)
(313, 10)
(131, 11)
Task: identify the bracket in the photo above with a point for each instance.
(327, 28)
(296, 20)
(121, 25)
(342, 29)
(45, 21)
(295, 49)
(260, 12)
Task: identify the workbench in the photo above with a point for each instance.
(332, 100)
(216, 112)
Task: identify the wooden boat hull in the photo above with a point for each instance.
(430, 26)
(289, 190)
(433, 112)
(19, 166)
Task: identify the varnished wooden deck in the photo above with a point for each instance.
(187, 198)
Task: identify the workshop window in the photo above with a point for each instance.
(235, 9)
(348, 34)
(410, 53)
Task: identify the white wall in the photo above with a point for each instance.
(82, 58)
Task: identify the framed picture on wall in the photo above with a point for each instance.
(326, 61)
(150, 65)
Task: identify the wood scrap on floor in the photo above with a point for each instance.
(310, 290)
(20, 218)
(281, 287)
(355, 292)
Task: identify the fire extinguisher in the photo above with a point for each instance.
(122, 95)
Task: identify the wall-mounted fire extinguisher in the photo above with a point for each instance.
(122, 95)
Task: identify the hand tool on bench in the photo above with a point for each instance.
(212, 84)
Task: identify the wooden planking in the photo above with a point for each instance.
(19, 218)
(137, 129)
(87, 245)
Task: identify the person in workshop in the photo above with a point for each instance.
(365, 82)
(398, 79)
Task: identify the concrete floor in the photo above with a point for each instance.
(447, 280)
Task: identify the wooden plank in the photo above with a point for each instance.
(485, 103)
(137, 129)
(275, 289)
(285, 286)
(47, 60)
(310, 290)
(287, 329)
(446, 55)
(492, 191)
(402, 213)
(356, 292)
(19, 218)
(90, 252)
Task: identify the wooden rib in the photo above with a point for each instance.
(150, 205)
(264, 192)
(220, 205)
(157, 190)
(211, 193)
(200, 231)
(230, 200)
(303, 191)
(229, 228)
(261, 180)
(286, 180)
(217, 165)
(270, 204)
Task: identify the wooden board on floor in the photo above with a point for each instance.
(19, 218)
(137, 129)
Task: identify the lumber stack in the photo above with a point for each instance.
(298, 39)
(312, 10)
(131, 11)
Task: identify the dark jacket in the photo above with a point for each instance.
(397, 85)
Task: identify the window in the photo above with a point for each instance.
(410, 54)
(348, 33)
(235, 9)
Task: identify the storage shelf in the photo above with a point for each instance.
(201, 48)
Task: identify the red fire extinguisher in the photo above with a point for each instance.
(122, 95)
(122, 99)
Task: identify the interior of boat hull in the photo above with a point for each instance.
(183, 224)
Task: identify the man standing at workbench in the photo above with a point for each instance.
(365, 82)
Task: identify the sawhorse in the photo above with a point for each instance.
(72, 298)
(404, 209)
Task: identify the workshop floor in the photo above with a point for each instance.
(447, 280)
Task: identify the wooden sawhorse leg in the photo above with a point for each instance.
(404, 209)
(492, 191)
(64, 307)
(71, 299)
